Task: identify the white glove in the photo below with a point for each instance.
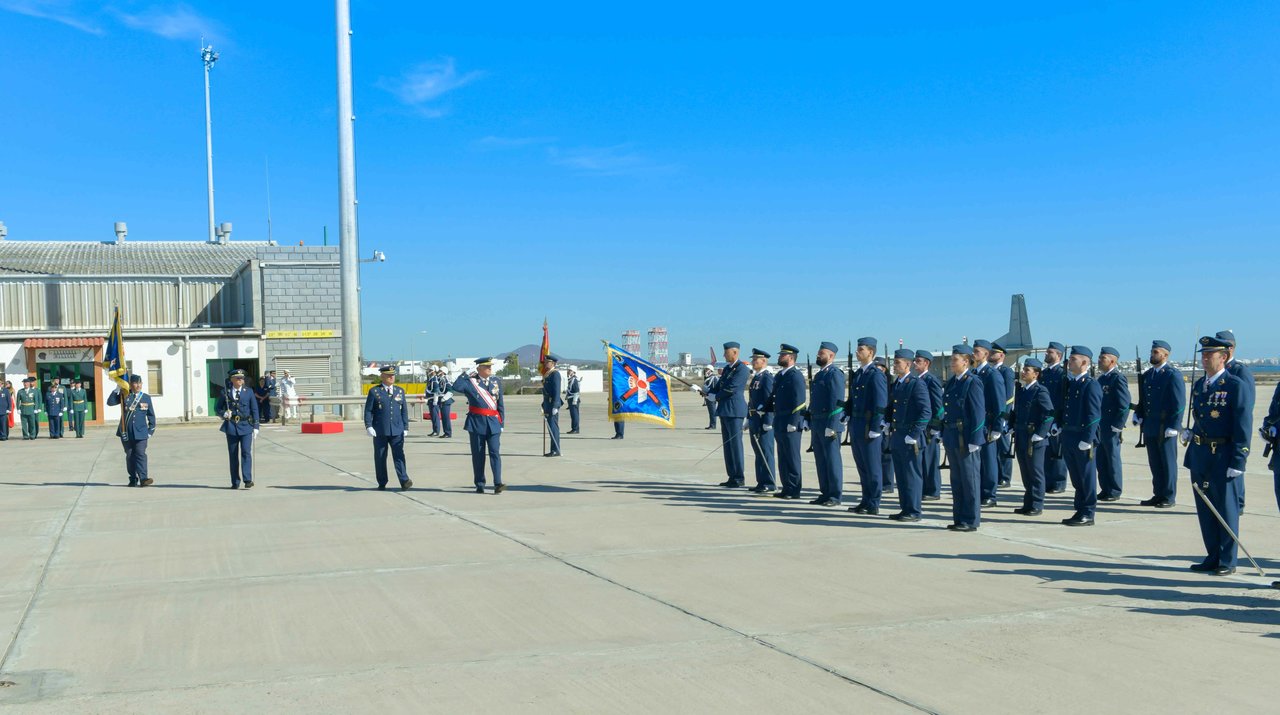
(1271, 431)
(1171, 433)
(255, 434)
(1186, 436)
(745, 426)
(766, 428)
(995, 437)
(935, 433)
(1117, 430)
(909, 439)
(1054, 431)
(226, 415)
(555, 411)
(696, 388)
(1036, 438)
(372, 432)
(1083, 446)
(872, 435)
(828, 432)
(974, 448)
(406, 432)
(792, 428)
(1137, 421)
(1233, 473)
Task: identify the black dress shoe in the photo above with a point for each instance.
(929, 498)
(1055, 491)
(989, 502)
(382, 487)
(793, 497)
(1164, 504)
(904, 517)
(500, 488)
(1149, 502)
(961, 527)
(1002, 483)
(552, 454)
(235, 485)
(615, 437)
(1204, 567)
(727, 483)
(819, 500)
(479, 490)
(133, 482)
(406, 484)
(760, 489)
(1028, 512)
(1224, 570)
(829, 501)
(864, 509)
(248, 485)
(1078, 521)
(1109, 497)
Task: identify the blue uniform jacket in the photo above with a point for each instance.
(868, 400)
(1115, 399)
(787, 402)
(760, 390)
(1032, 413)
(1223, 413)
(1161, 396)
(911, 410)
(729, 400)
(1052, 377)
(993, 396)
(4, 401)
(140, 422)
(244, 412)
(386, 411)
(965, 408)
(573, 388)
(492, 386)
(1273, 412)
(1242, 371)
(826, 408)
(551, 383)
(934, 386)
(56, 401)
(1010, 387)
(1081, 409)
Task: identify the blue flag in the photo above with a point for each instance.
(638, 390)
(113, 354)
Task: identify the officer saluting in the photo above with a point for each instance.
(1217, 449)
(551, 401)
(79, 406)
(485, 416)
(29, 407)
(1161, 394)
(433, 390)
(137, 425)
(826, 412)
(1115, 410)
(931, 466)
(787, 403)
(760, 421)
(238, 407)
(386, 419)
(444, 400)
(910, 419)
(963, 434)
(1032, 418)
(573, 396)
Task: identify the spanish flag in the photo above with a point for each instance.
(545, 350)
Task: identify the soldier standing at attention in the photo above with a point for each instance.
(79, 407)
(573, 395)
(760, 422)
(1055, 470)
(963, 434)
(1270, 432)
(1161, 394)
(1242, 371)
(137, 425)
(996, 361)
(787, 403)
(826, 420)
(887, 481)
(1217, 450)
(731, 408)
(1080, 416)
(1032, 419)
(56, 404)
(5, 404)
(432, 392)
(709, 383)
(29, 408)
(864, 411)
(551, 401)
(386, 419)
(931, 467)
(238, 407)
(993, 396)
(485, 417)
(1115, 410)
(911, 412)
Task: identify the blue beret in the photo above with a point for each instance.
(484, 361)
(785, 349)
(1057, 346)
(867, 342)
(961, 349)
(236, 373)
(879, 360)
(731, 344)
(903, 354)
(1162, 345)
(924, 355)
(1082, 350)
(1209, 344)
(1227, 337)
(984, 344)
(827, 345)
(757, 352)
(552, 357)
(1107, 350)
(1033, 363)
(388, 369)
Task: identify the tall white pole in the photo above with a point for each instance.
(209, 57)
(348, 237)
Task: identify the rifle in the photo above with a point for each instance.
(1191, 392)
(809, 364)
(1137, 354)
(848, 434)
(1270, 446)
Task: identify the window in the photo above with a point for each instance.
(154, 385)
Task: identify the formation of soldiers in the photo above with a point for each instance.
(64, 408)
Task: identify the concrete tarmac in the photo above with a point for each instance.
(617, 578)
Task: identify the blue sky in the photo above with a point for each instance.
(761, 173)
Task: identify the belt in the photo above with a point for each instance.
(77, 402)
(1211, 441)
(238, 418)
(485, 412)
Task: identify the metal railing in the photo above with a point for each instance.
(352, 406)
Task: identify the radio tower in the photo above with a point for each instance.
(631, 341)
(658, 347)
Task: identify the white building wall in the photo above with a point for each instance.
(13, 361)
(218, 349)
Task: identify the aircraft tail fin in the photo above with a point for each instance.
(1019, 335)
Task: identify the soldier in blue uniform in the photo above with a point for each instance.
(434, 388)
(826, 421)
(552, 383)
(1242, 371)
(485, 416)
(1077, 428)
(964, 431)
(864, 412)
(760, 422)
(931, 466)
(993, 396)
(996, 361)
(1161, 395)
(444, 401)
(573, 396)
(56, 404)
(1217, 450)
(5, 408)
(1270, 432)
(887, 482)
(787, 404)
(619, 429)
(731, 408)
(709, 385)
(1032, 420)
(1115, 410)
(238, 407)
(137, 425)
(386, 419)
(29, 405)
(1052, 377)
(269, 382)
(911, 414)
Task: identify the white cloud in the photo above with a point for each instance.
(422, 84)
(67, 12)
(616, 160)
(175, 22)
(496, 143)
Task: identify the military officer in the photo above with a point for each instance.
(137, 425)
(964, 431)
(269, 384)
(1032, 420)
(386, 419)
(996, 361)
(709, 383)
(485, 417)
(79, 407)
(1161, 394)
(619, 429)
(787, 404)
(1115, 410)
(5, 402)
(993, 396)
(1217, 450)
(1242, 371)
(1078, 429)
(56, 405)
(826, 421)
(864, 412)
(238, 407)
(30, 405)
(731, 408)
(1270, 432)
(931, 466)
(434, 388)
(911, 413)
(573, 396)
(1055, 469)
(444, 401)
(552, 383)
(760, 422)
(887, 482)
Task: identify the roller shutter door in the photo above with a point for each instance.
(312, 373)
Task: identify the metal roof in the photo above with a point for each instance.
(131, 258)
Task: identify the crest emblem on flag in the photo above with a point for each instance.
(638, 390)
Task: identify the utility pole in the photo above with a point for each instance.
(209, 58)
(348, 237)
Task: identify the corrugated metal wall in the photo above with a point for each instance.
(52, 304)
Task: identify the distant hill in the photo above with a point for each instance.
(528, 355)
